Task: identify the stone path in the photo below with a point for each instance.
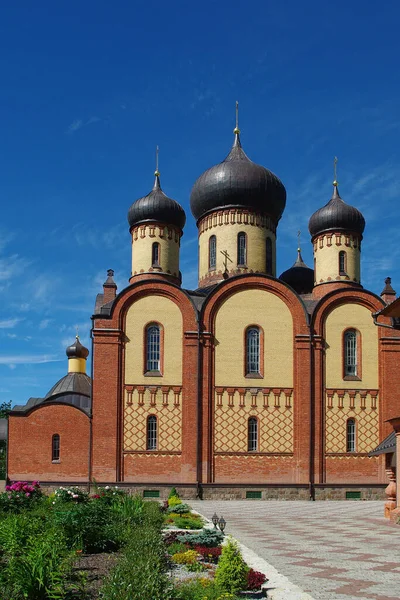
(331, 550)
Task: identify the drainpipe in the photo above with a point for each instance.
(375, 318)
(91, 412)
(199, 491)
(312, 417)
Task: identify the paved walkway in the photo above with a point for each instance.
(331, 550)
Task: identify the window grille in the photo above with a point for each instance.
(212, 252)
(151, 433)
(269, 256)
(55, 447)
(155, 254)
(153, 348)
(351, 436)
(241, 249)
(342, 263)
(252, 350)
(350, 353)
(253, 434)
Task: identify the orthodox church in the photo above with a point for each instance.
(252, 385)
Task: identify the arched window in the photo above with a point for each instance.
(155, 254)
(252, 435)
(342, 263)
(351, 435)
(241, 249)
(268, 251)
(350, 353)
(153, 347)
(55, 447)
(151, 438)
(212, 252)
(253, 351)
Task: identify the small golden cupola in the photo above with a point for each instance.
(156, 225)
(77, 356)
(237, 205)
(336, 232)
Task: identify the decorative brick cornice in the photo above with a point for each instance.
(235, 216)
(263, 397)
(337, 238)
(156, 230)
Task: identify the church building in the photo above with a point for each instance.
(252, 385)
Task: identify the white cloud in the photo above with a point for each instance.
(75, 125)
(28, 359)
(44, 323)
(9, 323)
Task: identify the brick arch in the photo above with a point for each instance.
(255, 282)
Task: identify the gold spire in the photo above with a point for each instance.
(157, 172)
(237, 130)
(335, 181)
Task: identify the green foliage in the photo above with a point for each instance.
(35, 563)
(206, 537)
(173, 493)
(108, 494)
(90, 527)
(201, 589)
(5, 408)
(179, 508)
(71, 494)
(176, 547)
(141, 572)
(128, 509)
(231, 573)
(174, 501)
(188, 522)
(185, 558)
(20, 496)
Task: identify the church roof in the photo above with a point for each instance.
(388, 445)
(238, 182)
(3, 429)
(336, 215)
(72, 383)
(300, 277)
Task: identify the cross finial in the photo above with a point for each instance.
(298, 240)
(77, 332)
(227, 257)
(237, 130)
(157, 172)
(335, 182)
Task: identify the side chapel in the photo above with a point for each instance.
(252, 385)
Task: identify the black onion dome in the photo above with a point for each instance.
(156, 206)
(77, 350)
(299, 276)
(336, 215)
(238, 182)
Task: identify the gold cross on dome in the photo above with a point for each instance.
(298, 239)
(335, 170)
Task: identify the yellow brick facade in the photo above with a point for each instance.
(254, 307)
(143, 237)
(161, 310)
(326, 257)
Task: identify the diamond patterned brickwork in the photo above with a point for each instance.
(363, 407)
(274, 411)
(139, 403)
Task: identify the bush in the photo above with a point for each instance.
(173, 493)
(255, 579)
(209, 554)
(174, 501)
(206, 537)
(128, 509)
(71, 494)
(180, 509)
(189, 522)
(176, 547)
(109, 494)
(20, 496)
(200, 589)
(231, 573)
(185, 558)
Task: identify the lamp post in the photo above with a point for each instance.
(222, 524)
(215, 520)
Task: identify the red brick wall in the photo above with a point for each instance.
(29, 443)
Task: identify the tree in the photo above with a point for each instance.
(5, 408)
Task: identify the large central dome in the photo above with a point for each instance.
(237, 182)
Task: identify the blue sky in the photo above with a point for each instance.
(88, 89)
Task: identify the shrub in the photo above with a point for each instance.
(176, 547)
(231, 573)
(20, 496)
(173, 493)
(189, 522)
(129, 509)
(171, 537)
(174, 501)
(209, 554)
(180, 509)
(109, 494)
(185, 558)
(71, 494)
(255, 579)
(200, 589)
(206, 537)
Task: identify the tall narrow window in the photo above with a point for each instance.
(55, 447)
(241, 249)
(153, 348)
(350, 353)
(342, 263)
(151, 442)
(268, 250)
(155, 254)
(351, 435)
(212, 252)
(253, 435)
(253, 351)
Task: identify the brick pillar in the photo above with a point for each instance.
(301, 407)
(107, 391)
(191, 430)
(395, 514)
